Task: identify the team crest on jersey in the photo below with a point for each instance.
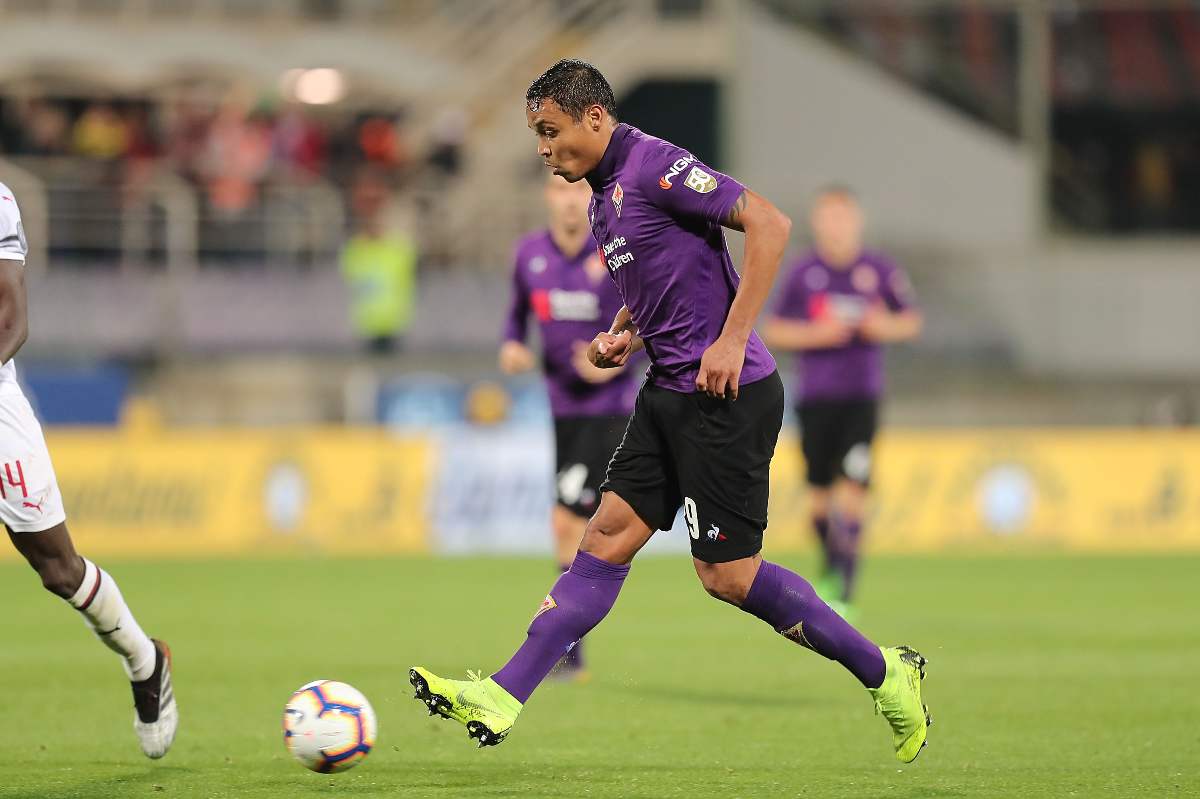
(618, 197)
(700, 181)
(547, 604)
(864, 279)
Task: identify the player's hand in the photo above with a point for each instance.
(876, 324)
(588, 371)
(830, 333)
(609, 351)
(515, 357)
(721, 367)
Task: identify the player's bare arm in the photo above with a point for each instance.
(14, 319)
(884, 326)
(767, 230)
(794, 334)
(614, 348)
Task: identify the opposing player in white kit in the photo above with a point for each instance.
(31, 507)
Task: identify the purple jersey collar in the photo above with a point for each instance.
(614, 154)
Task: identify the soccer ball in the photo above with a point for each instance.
(328, 726)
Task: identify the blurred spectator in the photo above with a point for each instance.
(381, 144)
(379, 266)
(99, 133)
(141, 155)
(1154, 189)
(236, 156)
(299, 143)
(45, 129)
(449, 134)
(186, 136)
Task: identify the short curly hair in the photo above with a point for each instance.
(574, 86)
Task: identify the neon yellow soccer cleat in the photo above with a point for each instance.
(899, 700)
(487, 710)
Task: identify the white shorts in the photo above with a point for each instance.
(30, 501)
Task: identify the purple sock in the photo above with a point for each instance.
(577, 602)
(849, 533)
(785, 600)
(574, 658)
(821, 525)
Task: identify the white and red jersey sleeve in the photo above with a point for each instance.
(12, 236)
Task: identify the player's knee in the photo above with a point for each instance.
(610, 537)
(724, 585)
(601, 534)
(61, 575)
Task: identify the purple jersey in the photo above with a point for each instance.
(656, 212)
(814, 290)
(573, 301)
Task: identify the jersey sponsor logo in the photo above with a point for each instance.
(560, 305)
(614, 259)
(700, 181)
(665, 181)
(610, 247)
(846, 308)
(618, 198)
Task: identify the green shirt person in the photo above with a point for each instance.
(380, 271)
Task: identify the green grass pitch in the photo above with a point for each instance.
(1050, 676)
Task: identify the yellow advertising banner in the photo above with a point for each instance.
(1100, 489)
(201, 492)
(218, 492)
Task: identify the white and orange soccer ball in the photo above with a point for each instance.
(329, 726)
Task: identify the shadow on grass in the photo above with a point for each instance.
(150, 781)
(645, 781)
(713, 696)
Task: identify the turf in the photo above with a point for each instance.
(1051, 676)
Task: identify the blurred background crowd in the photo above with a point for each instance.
(273, 194)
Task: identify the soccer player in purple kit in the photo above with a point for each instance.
(705, 423)
(840, 304)
(559, 278)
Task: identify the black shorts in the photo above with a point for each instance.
(583, 446)
(711, 455)
(836, 438)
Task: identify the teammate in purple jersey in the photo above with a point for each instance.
(705, 423)
(841, 303)
(558, 278)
